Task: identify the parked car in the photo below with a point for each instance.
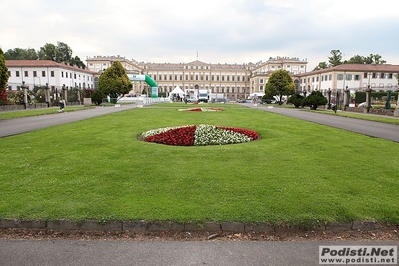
(192, 99)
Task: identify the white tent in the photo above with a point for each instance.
(177, 91)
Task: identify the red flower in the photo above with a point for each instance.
(182, 136)
(249, 133)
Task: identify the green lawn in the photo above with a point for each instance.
(36, 112)
(377, 118)
(298, 172)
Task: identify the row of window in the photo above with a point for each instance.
(350, 77)
(217, 90)
(199, 77)
(43, 74)
(365, 85)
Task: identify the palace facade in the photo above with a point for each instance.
(234, 81)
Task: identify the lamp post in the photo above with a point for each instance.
(23, 87)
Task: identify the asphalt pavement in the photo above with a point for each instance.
(155, 253)
(9, 127)
(365, 127)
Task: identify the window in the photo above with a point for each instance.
(382, 75)
(238, 78)
(9, 73)
(313, 79)
(196, 77)
(348, 77)
(357, 77)
(206, 77)
(374, 75)
(62, 74)
(186, 77)
(155, 77)
(35, 73)
(330, 77)
(165, 77)
(232, 78)
(213, 77)
(222, 78)
(26, 74)
(52, 73)
(217, 78)
(340, 77)
(74, 76)
(365, 75)
(261, 81)
(66, 74)
(43, 73)
(170, 77)
(390, 75)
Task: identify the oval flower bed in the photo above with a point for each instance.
(199, 109)
(199, 135)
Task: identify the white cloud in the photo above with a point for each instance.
(221, 31)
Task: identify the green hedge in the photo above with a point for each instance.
(361, 96)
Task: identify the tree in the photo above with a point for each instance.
(335, 58)
(3, 71)
(3, 79)
(296, 99)
(75, 61)
(357, 59)
(48, 52)
(374, 59)
(21, 54)
(114, 81)
(279, 84)
(64, 53)
(60, 53)
(321, 65)
(314, 99)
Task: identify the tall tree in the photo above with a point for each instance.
(48, 52)
(64, 53)
(336, 58)
(280, 84)
(75, 61)
(114, 81)
(3, 78)
(374, 59)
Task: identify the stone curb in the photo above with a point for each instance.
(147, 226)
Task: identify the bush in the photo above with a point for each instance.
(296, 99)
(97, 97)
(314, 99)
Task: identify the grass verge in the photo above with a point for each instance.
(298, 173)
(37, 112)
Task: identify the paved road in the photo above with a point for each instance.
(11, 127)
(155, 253)
(369, 128)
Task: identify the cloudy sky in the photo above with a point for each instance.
(217, 31)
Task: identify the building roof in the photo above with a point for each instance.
(44, 63)
(356, 68)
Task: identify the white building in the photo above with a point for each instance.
(42, 72)
(354, 77)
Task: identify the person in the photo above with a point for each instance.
(62, 105)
